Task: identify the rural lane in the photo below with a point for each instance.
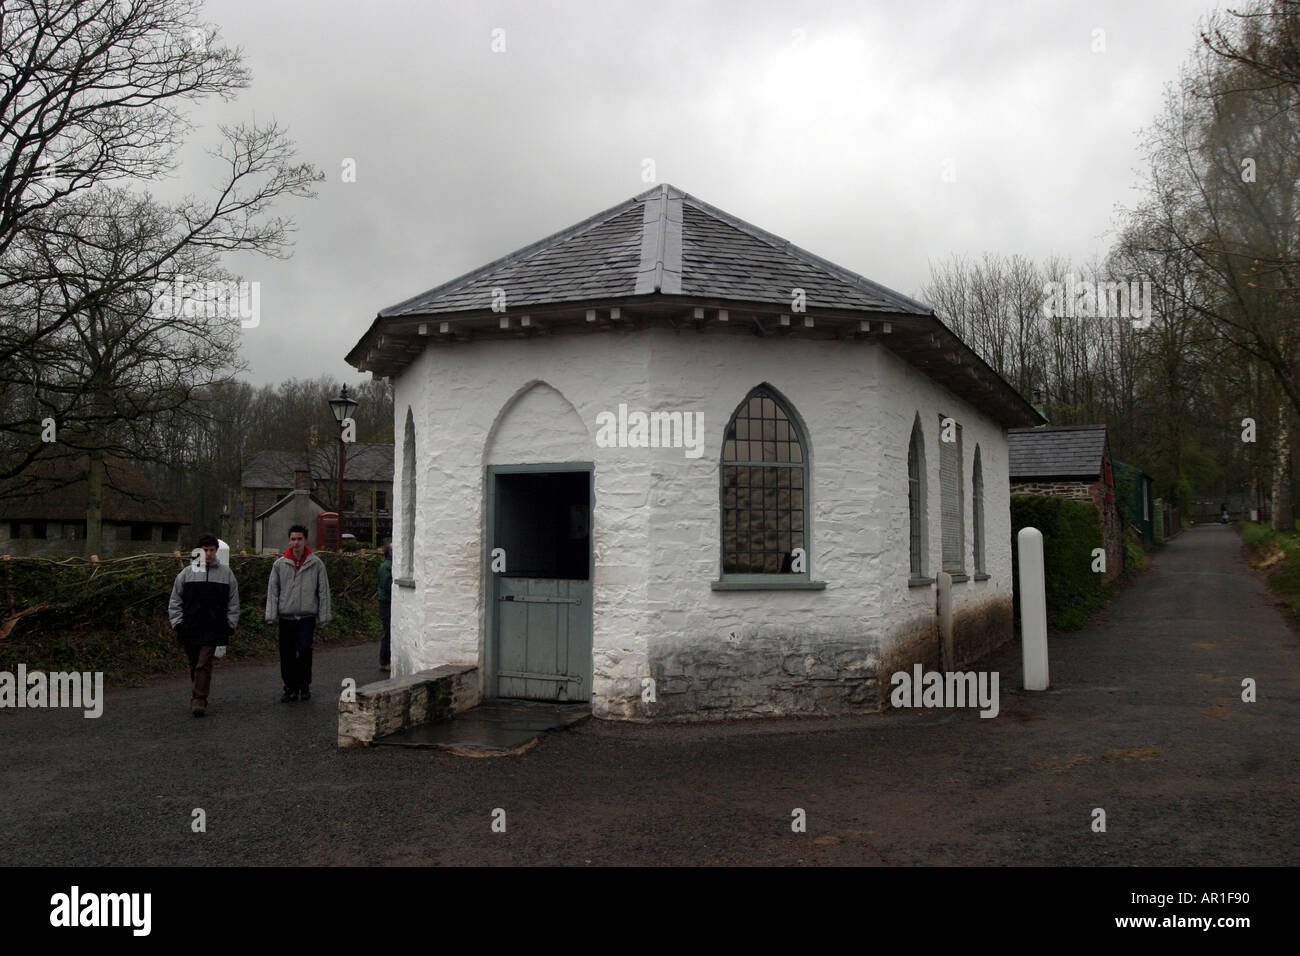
(1144, 720)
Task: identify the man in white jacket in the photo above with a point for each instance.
(298, 595)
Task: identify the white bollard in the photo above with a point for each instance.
(223, 555)
(1033, 608)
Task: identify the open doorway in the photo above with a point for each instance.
(539, 568)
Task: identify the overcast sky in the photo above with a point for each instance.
(830, 124)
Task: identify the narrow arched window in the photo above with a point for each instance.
(408, 497)
(916, 499)
(977, 508)
(764, 490)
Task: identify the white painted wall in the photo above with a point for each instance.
(656, 523)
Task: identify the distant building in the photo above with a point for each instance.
(1070, 461)
(1134, 495)
(271, 527)
(51, 521)
(269, 481)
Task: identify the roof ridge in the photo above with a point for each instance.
(660, 267)
(555, 238)
(785, 245)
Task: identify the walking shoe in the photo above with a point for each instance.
(289, 697)
(198, 706)
(305, 693)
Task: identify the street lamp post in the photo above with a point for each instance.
(342, 407)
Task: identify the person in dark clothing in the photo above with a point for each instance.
(386, 607)
(297, 594)
(204, 613)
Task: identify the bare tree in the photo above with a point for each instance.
(91, 107)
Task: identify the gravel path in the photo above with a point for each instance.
(1144, 720)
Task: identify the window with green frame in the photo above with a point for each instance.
(765, 485)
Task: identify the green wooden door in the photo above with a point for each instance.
(541, 615)
(544, 639)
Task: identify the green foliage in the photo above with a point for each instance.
(1071, 530)
(1134, 555)
(1284, 576)
(1256, 532)
(112, 616)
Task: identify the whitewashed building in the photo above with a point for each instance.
(668, 463)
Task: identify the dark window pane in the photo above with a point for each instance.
(762, 505)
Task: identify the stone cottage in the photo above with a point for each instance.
(670, 464)
(1071, 461)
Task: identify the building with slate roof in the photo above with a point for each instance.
(271, 480)
(43, 512)
(670, 464)
(1070, 461)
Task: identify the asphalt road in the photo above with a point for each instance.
(1144, 720)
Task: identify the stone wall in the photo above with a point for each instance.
(1078, 490)
(388, 706)
(656, 526)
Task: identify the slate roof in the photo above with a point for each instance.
(58, 490)
(1065, 452)
(665, 256)
(292, 495)
(664, 241)
(275, 469)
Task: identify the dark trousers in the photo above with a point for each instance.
(295, 652)
(200, 669)
(385, 644)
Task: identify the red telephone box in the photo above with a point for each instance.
(327, 530)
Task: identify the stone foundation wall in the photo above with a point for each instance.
(912, 643)
(980, 629)
(763, 671)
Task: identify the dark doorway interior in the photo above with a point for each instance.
(543, 521)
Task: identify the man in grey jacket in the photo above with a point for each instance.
(204, 612)
(298, 595)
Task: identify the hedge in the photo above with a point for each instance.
(111, 616)
(1071, 530)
